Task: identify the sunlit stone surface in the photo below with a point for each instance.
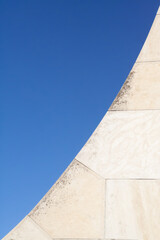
(27, 230)
(141, 89)
(132, 209)
(112, 188)
(126, 144)
(75, 202)
(151, 48)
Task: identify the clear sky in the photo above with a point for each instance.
(62, 63)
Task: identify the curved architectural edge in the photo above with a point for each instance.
(140, 90)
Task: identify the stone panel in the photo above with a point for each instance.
(74, 207)
(141, 89)
(151, 48)
(27, 230)
(132, 209)
(126, 144)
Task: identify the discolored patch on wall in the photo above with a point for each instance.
(121, 99)
(75, 204)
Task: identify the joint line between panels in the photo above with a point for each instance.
(89, 168)
(151, 61)
(105, 205)
(132, 179)
(132, 110)
(47, 234)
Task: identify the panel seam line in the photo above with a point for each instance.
(105, 193)
(136, 110)
(147, 61)
(89, 169)
(40, 227)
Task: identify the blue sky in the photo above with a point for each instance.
(62, 63)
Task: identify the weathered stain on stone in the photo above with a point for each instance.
(65, 180)
(63, 206)
(120, 99)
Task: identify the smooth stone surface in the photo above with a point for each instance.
(126, 144)
(74, 207)
(151, 47)
(141, 90)
(27, 230)
(132, 209)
